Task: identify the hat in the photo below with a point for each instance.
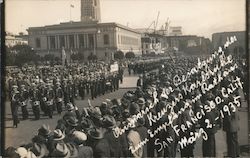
(141, 101)
(39, 139)
(73, 150)
(141, 121)
(11, 152)
(86, 123)
(58, 135)
(22, 152)
(79, 136)
(44, 130)
(72, 121)
(40, 150)
(109, 122)
(95, 133)
(134, 108)
(14, 86)
(61, 150)
(70, 106)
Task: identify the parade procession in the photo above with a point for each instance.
(85, 87)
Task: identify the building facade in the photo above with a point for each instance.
(11, 40)
(188, 44)
(100, 39)
(90, 10)
(238, 47)
(175, 31)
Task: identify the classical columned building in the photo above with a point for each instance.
(100, 39)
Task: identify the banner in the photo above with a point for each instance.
(114, 67)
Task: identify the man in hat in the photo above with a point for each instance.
(231, 127)
(15, 101)
(58, 97)
(82, 87)
(79, 138)
(141, 102)
(115, 146)
(71, 91)
(34, 96)
(24, 95)
(49, 100)
(99, 145)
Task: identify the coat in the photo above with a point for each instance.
(85, 152)
(101, 148)
(115, 144)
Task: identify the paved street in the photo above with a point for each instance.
(28, 128)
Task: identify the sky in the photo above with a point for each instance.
(197, 17)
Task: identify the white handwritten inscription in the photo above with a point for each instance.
(212, 71)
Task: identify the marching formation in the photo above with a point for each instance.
(92, 132)
(47, 89)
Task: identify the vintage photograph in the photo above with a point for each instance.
(126, 78)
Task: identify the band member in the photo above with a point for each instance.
(24, 95)
(15, 99)
(35, 102)
(49, 100)
(42, 98)
(59, 97)
(71, 91)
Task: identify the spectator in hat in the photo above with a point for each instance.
(115, 146)
(79, 138)
(142, 130)
(40, 150)
(60, 150)
(44, 132)
(134, 139)
(99, 145)
(141, 102)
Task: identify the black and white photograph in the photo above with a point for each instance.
(126, 78)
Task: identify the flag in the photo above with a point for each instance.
(71, 5)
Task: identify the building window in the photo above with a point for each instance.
(52, 42)
(81, 40)
(38, 43)
(95, 3)
(71, 41)
(91, 40)
(62, 41)
(106, 39)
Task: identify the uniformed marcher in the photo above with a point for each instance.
(58, 97)
(15, 96)
(35, 103)
(23, 101)
(49, 100)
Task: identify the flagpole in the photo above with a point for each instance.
(70, 13)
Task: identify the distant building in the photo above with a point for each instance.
(152, 43)
(175, 31)
(238, 47)
(188, 44)
(100, 39)
(11, 40)
(90, 10)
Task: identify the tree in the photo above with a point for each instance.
(119, 55)
(49, 57)
(130, 55)
(78, 56)
(24, 54)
